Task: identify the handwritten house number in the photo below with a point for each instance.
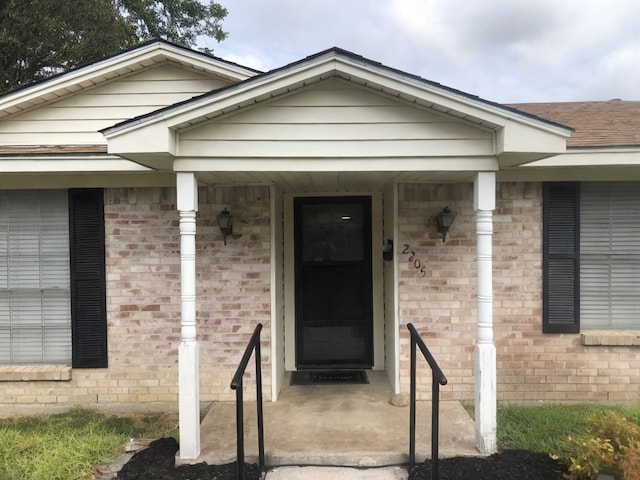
(416, 262)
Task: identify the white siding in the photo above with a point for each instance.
(75, 120)
(336, 119)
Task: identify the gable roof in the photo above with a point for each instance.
(122, 64)
(520, 137)
(596, 124)
(346, 56)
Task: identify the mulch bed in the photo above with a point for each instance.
(158, 463)
(506, 465)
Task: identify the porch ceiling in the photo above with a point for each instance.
(331, 181)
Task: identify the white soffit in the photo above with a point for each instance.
(601, 157)
(69, 164)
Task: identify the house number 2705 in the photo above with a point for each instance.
(415, 262)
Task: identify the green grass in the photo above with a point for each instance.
(545, 428)
(71, 445)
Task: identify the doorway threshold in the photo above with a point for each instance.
(329, 377)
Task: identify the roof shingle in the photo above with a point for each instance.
(596, 124)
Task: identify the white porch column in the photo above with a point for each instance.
(188, 359)
(485, 351)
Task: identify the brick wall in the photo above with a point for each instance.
(441, 304)
(143, 299)
(532, 366)
(233, 287)
(143, 285)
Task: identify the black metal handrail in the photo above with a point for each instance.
(236, 384)
(437, 379)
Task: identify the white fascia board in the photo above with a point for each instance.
(230, 99)
(517, 144)
(69, 164)
(156, 137)
(210, 65)
(514, 132)
(118, 65)
(612, 173)
(252, 92)
(50, 180)
(446, 100)
(591, 158)
(402, 87)
(153, 146)
(243, 96)
(518, 137)
(335, 164)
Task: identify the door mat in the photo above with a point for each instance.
(329, 377)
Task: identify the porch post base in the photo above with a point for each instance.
(189, 400)
(486, 399)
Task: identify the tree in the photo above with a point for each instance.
(39, 38)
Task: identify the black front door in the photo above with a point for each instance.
(334, 321)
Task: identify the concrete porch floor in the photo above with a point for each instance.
(336, 425)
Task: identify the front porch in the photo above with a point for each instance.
(336, 425)
(334, 125)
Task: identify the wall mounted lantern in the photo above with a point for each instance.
(444, 220)
(225, 222)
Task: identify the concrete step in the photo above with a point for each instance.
(348, 425)
(337, 473)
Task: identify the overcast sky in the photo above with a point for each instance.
(502, 50)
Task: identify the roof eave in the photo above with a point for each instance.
(118, 65)
(335, 63)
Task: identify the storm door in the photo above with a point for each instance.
(333, 291)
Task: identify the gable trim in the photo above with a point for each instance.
(517, 138)
(121, 64)
(334, 64)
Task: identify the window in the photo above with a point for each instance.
(591, 256)
(610, 256)
(35, 310)
(52, 289)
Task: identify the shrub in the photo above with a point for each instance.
(591, 456)
(610, 444)
(629, 462)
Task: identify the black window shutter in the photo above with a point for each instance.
(561, 258)
(88, 286)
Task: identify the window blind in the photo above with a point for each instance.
(610, 255)
(35, 311)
